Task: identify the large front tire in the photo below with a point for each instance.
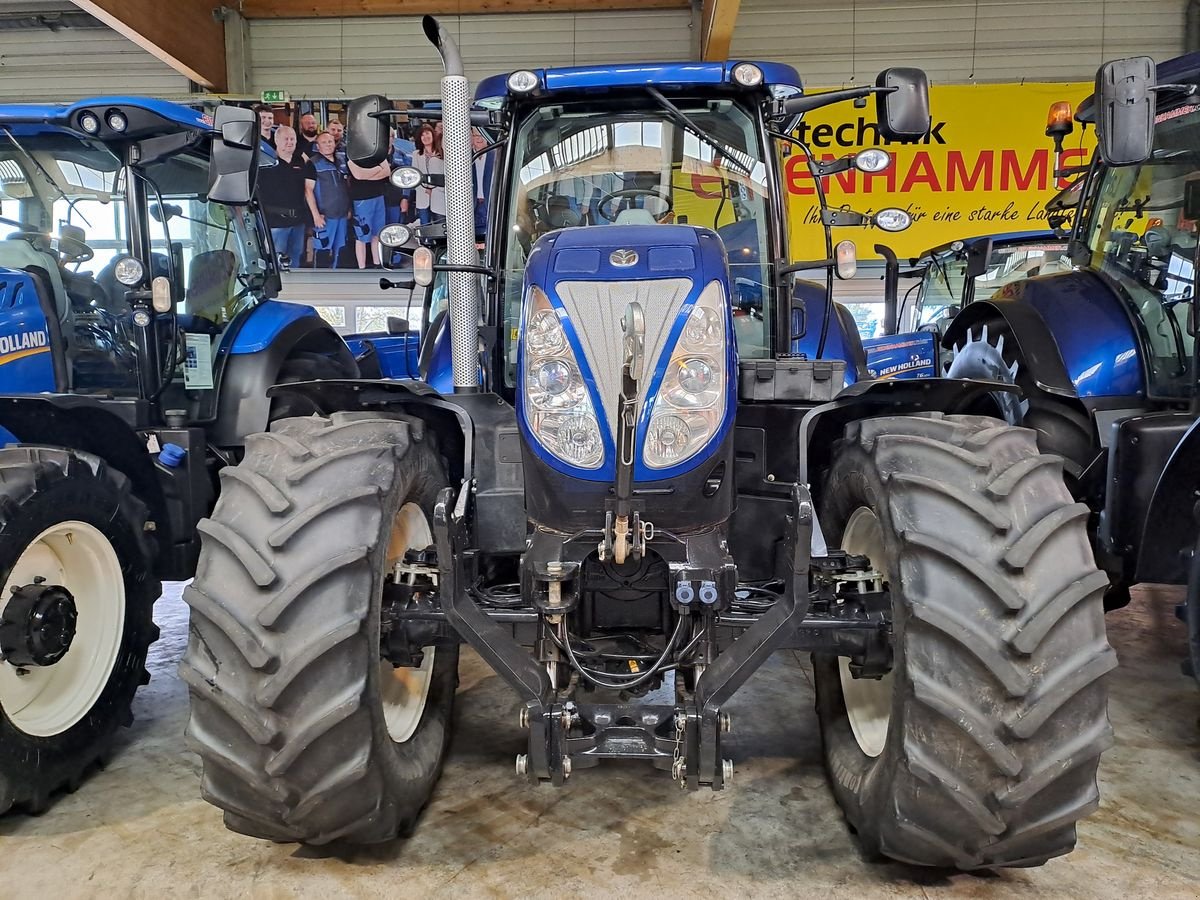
(305, 734)
(67, 520)
(980, 748)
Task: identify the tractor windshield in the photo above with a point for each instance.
(1142, 233)
(63, 209)
(603, 162)
(945, 280)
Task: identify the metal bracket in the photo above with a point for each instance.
(489, 640)
(771, 632)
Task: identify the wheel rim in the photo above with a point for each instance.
(868, 700)
(405, 691)
(48, 700)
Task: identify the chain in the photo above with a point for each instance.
(677, 765)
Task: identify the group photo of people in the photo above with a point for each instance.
(324, 211)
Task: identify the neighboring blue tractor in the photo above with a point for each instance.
(949, 278)
(1105, 354)
(138, 338)
(633, 488)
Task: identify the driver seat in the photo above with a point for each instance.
(210, 284)
(22, 255)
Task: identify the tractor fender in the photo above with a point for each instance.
(478, 439)
(1169, 533)
(81, 422)
(273, 333)
(824, 425)
(1073, 330)
(1029, 332)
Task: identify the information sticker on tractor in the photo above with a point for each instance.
(197, 368)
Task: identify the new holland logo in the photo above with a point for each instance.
(25, 343)
(623, 258)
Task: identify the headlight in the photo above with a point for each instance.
(892, 219)
(690, 405)
(558, 409)
(747, 74)
(406, 177)
(129, 271)
(522, 82)
(394, 235)
(872, 160)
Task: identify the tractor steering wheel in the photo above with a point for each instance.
(73, 251)
(602, 206)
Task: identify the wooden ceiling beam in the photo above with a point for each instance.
(717, 21)
(182, 33)
(310, 9)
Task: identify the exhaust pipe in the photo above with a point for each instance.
(460, 209)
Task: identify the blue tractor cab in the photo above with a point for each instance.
(632, 468)
(139, 332)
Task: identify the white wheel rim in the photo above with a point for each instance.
(868, 700)
(48, 700)
(405, 691)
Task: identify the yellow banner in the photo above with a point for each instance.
(986, 167)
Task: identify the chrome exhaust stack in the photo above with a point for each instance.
(460, 209)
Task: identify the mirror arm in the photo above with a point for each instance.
(792, 268)
(843, 217)
(809, 102)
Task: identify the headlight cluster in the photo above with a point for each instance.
(560, 413)
(691, 399)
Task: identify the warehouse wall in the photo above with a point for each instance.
(39, 64)
(833, 42)
(322, 57)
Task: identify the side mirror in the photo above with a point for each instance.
(903, 108)
(233, 159)
(368, 137)
(978, 254)
(1125, 110)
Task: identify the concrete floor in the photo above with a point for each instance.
(139, 828)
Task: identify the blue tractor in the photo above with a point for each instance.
(635, 486)
(950, 277)
(1105, 354)
(138, 337)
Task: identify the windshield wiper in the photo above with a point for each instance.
(37, 165)
(683, 120)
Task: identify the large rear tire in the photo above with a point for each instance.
(980, 748)
(305, 365)
(305, 734)
(72, 662)
(1062, 427)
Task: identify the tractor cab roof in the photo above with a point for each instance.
(783, 80)
(98, 118)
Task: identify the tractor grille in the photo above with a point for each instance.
(596, 308)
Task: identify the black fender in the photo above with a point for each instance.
(824, 424)
(1034, 340)
(477, 436)
(1173, 515)
(243, 406)
(106, 429)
